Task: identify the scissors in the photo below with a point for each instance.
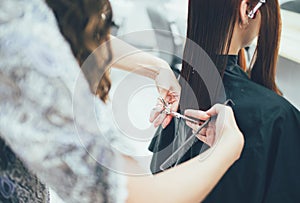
(167, 110)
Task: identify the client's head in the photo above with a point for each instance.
(223, 27)
(85, 25)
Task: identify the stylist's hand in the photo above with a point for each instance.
(169, 89)
(223, 130)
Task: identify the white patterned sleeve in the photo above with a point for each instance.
(45, 116)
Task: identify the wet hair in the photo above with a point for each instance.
(211, 25)
(85, 24)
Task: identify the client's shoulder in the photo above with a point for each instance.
(254, 97)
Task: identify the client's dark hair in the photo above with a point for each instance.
(211, 24)
(85, 24)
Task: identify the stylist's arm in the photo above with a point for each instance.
(193, 180)
(131, 59)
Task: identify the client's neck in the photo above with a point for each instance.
(235, 44)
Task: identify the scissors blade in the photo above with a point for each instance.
(178, 115)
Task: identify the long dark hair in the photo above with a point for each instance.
(211, 25)
(264, 66)
(85, 24)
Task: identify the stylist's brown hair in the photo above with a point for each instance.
(85, 24)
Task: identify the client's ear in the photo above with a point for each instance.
(244, 20)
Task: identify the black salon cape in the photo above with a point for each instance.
(269, 167)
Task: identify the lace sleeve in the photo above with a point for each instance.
(38, 75)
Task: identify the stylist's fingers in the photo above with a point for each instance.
(210, 137)
(217, 109)
(202, 132)
(195, 128)
(173, 99)
(202, 115)
(226, 128)
(210, 132)
(209, 140)
(207, 135)
(218, 112)
(160, 119)
(155, 112)
(166, 121)
(168, 118)
(203, 138)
